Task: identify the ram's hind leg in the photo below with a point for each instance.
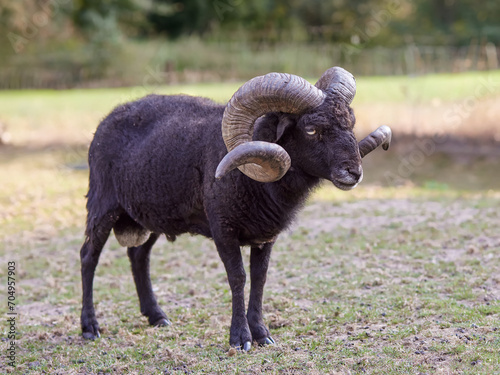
(98, 230)
(139, 260)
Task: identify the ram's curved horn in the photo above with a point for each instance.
(340, 81)
(274, 92)
(343, 85)
(255, 152)
(380, 137)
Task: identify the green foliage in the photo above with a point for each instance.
(372, 22)
(101, 23)
(451, 22)
(56, 44)
(365, 22)
(175, 18)
(85, 12)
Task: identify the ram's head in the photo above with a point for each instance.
(278, 121)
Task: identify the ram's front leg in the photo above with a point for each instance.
(230, 253)
(259, 262)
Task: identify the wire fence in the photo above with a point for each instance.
(410, 60)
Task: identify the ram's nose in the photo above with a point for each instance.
(356, 173)
(349, 177)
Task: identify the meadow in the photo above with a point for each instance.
(399, 276)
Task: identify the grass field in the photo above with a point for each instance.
(381, 280)
(463, 104)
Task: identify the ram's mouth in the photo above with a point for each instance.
(346, 182)
(344, 186)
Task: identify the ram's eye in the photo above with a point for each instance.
(311, 131)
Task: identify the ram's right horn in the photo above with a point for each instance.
(274, 92)
(380, 137)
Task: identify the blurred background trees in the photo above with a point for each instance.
(46, 42)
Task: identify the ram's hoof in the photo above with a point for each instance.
(91, 336)
(247, 346)
(163, 322)
(266, 341)
(269, 341)
(90, 328)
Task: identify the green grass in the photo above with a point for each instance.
(380, 280)
(426, 88)
(70, 116)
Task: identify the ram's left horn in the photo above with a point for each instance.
(380, 137)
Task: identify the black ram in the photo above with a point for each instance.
(160, 165)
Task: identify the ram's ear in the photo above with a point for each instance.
(271, 127)
(284, 124)
(352, 117)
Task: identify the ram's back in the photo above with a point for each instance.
(151, 157)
